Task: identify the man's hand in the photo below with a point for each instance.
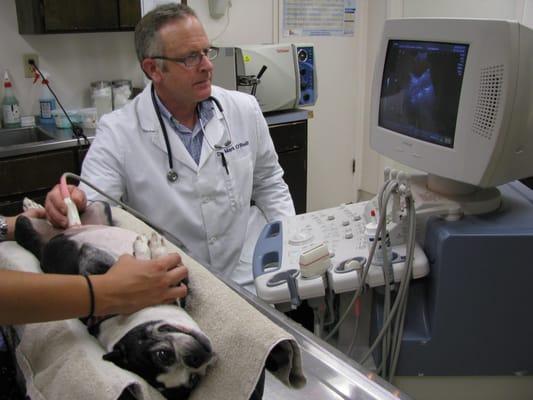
(56, 209)
(132, 284)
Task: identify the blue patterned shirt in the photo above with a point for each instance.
(192, 139)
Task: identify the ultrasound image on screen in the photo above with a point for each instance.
(420, 89)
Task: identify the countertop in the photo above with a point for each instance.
(64, 138)
(60, 139)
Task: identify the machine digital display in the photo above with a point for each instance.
(420, 89)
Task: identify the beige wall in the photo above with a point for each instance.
(73, 60)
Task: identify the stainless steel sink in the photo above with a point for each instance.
(18, 136)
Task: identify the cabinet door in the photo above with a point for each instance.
(290, 142)
(130, 13)
(80, 15)
(31, 173)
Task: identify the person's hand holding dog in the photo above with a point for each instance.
(133, 284)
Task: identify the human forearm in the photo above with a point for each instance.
(130, 285)
(32, 297)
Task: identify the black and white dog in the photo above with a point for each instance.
(162, 344)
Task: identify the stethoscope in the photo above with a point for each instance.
(172, 175)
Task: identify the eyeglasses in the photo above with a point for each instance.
(192, 60)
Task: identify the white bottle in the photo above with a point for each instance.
(10, 105)
(47, 103)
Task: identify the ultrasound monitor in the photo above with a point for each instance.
(420, 89)
(454, 98)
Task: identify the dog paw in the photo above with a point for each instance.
(157, 246)
(141, 251)
(28, 204)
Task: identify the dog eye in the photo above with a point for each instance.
(165, 357)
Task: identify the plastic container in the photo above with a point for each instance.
(102, 97)
(10, 105)
(62, 121)
(122, 91)
(88, 117)
(47, 104)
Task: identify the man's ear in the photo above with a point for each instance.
(151, 69)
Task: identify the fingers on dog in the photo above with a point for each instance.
(78, 197)
(176, 292)
(177, 275)
(171, 261)
(56, 209)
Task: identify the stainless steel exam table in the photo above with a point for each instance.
(330, 374)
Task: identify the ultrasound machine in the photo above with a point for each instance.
(445, 251)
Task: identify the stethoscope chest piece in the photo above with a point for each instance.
(172, 176)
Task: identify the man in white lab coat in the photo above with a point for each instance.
(199, 181)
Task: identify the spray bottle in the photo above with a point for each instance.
(10, 105)
(47, 102)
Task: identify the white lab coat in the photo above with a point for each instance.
(206, 208)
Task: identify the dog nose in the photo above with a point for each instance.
(197, 357)
(201, 340)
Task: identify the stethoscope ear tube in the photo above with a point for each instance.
(217, 103)
(172, 175)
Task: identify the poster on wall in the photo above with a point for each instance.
(317, 18)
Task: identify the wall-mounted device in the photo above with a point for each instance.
(280, 76)
(218, 8)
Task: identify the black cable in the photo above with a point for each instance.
(76, 129)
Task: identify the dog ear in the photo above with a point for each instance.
(116, 356)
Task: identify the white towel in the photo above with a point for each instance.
(60, 360)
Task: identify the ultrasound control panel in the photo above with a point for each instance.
(282, 245)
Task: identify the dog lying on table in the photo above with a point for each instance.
(162, 344)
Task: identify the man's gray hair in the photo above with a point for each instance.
(147, 40)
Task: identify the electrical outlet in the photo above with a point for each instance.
(28, 70)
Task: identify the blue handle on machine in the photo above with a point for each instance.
(268, 250)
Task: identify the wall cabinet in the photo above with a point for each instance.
(62, 16)
(34, 175)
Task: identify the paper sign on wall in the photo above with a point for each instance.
(318, 18)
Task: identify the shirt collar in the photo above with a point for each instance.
(206, 111)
